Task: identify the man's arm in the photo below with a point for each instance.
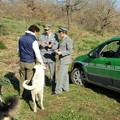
(37, 52)
(55, 43)
(69, 47)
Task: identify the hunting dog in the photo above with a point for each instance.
(37, 86)
(6, 107)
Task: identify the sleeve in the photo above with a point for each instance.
(69, 47)
(37, 52)
(40, 41)
(18, 52)
(56, 42)
(18, 49)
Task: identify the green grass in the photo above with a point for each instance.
(80, 103)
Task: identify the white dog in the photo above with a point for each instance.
(37, 86)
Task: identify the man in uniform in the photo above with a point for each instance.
(65, 58)
(48, 43)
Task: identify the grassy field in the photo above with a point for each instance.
(80, 103)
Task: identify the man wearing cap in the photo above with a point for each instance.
(48, 43)
(65, 58)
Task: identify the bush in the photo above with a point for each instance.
(2, 45)
(3, 30)
(4, 81)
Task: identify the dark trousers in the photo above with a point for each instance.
(26, 73)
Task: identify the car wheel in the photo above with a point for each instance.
(77, 76)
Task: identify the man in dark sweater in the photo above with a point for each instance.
(29, 53)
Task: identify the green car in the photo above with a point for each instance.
(101, 66)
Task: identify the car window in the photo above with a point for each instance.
(111, 50)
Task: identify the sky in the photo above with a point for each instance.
(118, 4)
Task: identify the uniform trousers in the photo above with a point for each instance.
(52, 68)
(63, 79)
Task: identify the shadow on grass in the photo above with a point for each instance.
(70, 81)
(107, 92)
(47, 80)
(13, 80)
(50, 84)
(27, 97)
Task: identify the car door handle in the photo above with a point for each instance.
(108, 63)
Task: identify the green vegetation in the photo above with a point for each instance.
(2, 45)
(3, 29)
(79, 103)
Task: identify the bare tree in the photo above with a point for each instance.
(100, 14)
(95, 15)
(72, 5)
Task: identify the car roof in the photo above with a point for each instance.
(115, 38)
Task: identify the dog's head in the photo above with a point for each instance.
(5, 108)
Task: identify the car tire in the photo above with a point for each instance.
(76, 76)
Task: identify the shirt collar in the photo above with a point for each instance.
(30, 32)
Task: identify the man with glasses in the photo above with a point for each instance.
(48, 43)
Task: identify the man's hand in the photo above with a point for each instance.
(50, 45)
(43, 65)
(43, 44)
(58, 52)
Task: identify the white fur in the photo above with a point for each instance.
(37, 86)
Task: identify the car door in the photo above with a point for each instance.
(99, 68)
(115, 73)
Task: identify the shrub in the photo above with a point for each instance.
(4, 81)
(3, 30)
(2, 45)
